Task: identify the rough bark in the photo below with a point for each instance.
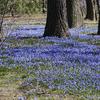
(56, 18)
(75, 18)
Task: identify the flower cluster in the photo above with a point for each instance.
(61, 63)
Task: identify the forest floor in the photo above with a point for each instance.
(25, 58)
(11, 88)
(9, 85)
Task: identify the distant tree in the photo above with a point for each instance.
(91, 12)
(83, 7)
(74, 13)
(12, 7)
(3, 11)
(98, 4)
(56, 18)
(44, 6)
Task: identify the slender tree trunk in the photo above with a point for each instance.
(98, 4)
(44, 6)
(75, 17)
(99, 24)
(3, 15)
(56, 18)
(1, 22)
(69, 13)
(83, 7)
(91, 6)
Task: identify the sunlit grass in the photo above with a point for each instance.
(35, 40)
(10, 75)
(15, 77)
(93, 42)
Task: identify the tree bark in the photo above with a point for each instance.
(74, 13)
(3, 15)
(91, 6)
(56, 18)
(99, 24)
(98, 5)
(44, 6)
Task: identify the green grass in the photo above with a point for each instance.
(36, 41)
(93, 42)
(11, 74)
(27, 42)
(14, 77)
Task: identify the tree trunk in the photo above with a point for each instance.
(98, 5)
(3, 15)
(56, 18)
(91, 6)
(44, 6)
(74, 13)
(99, 24)
(69, 13)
